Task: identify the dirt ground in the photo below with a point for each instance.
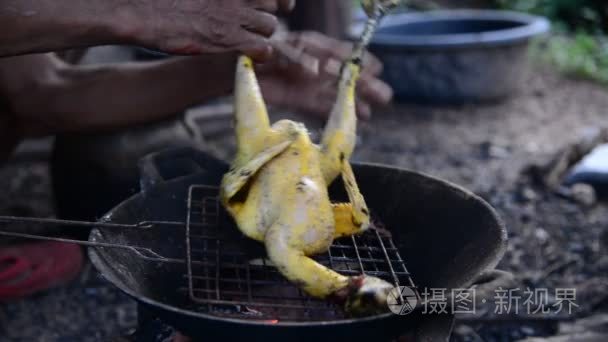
(555, 242)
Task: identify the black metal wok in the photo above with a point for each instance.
(447, 236)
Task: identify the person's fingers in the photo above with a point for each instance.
(371, 64)
(330, 71)
(324, 47)
(369, 86)
(295, 62)
(254, 46)
(323, 105)
(320, 45)
(313, 99)
(374, 90)
(364, 110)
(258, 22)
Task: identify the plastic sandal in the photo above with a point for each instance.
(31, 268)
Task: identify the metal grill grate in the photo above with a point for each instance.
(229, 276)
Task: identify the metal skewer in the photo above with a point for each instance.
(142, 252)
(376, 10)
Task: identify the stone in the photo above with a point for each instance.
(584, 194)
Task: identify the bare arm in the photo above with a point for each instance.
(30, 26)
(39, 94)
(186, 27)
(47, 96)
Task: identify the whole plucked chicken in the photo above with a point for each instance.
(276, 189)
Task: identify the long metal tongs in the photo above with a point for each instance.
(143, 252)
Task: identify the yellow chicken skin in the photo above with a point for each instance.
(276, 191)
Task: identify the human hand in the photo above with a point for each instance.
(312, 87)
(208, 26)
